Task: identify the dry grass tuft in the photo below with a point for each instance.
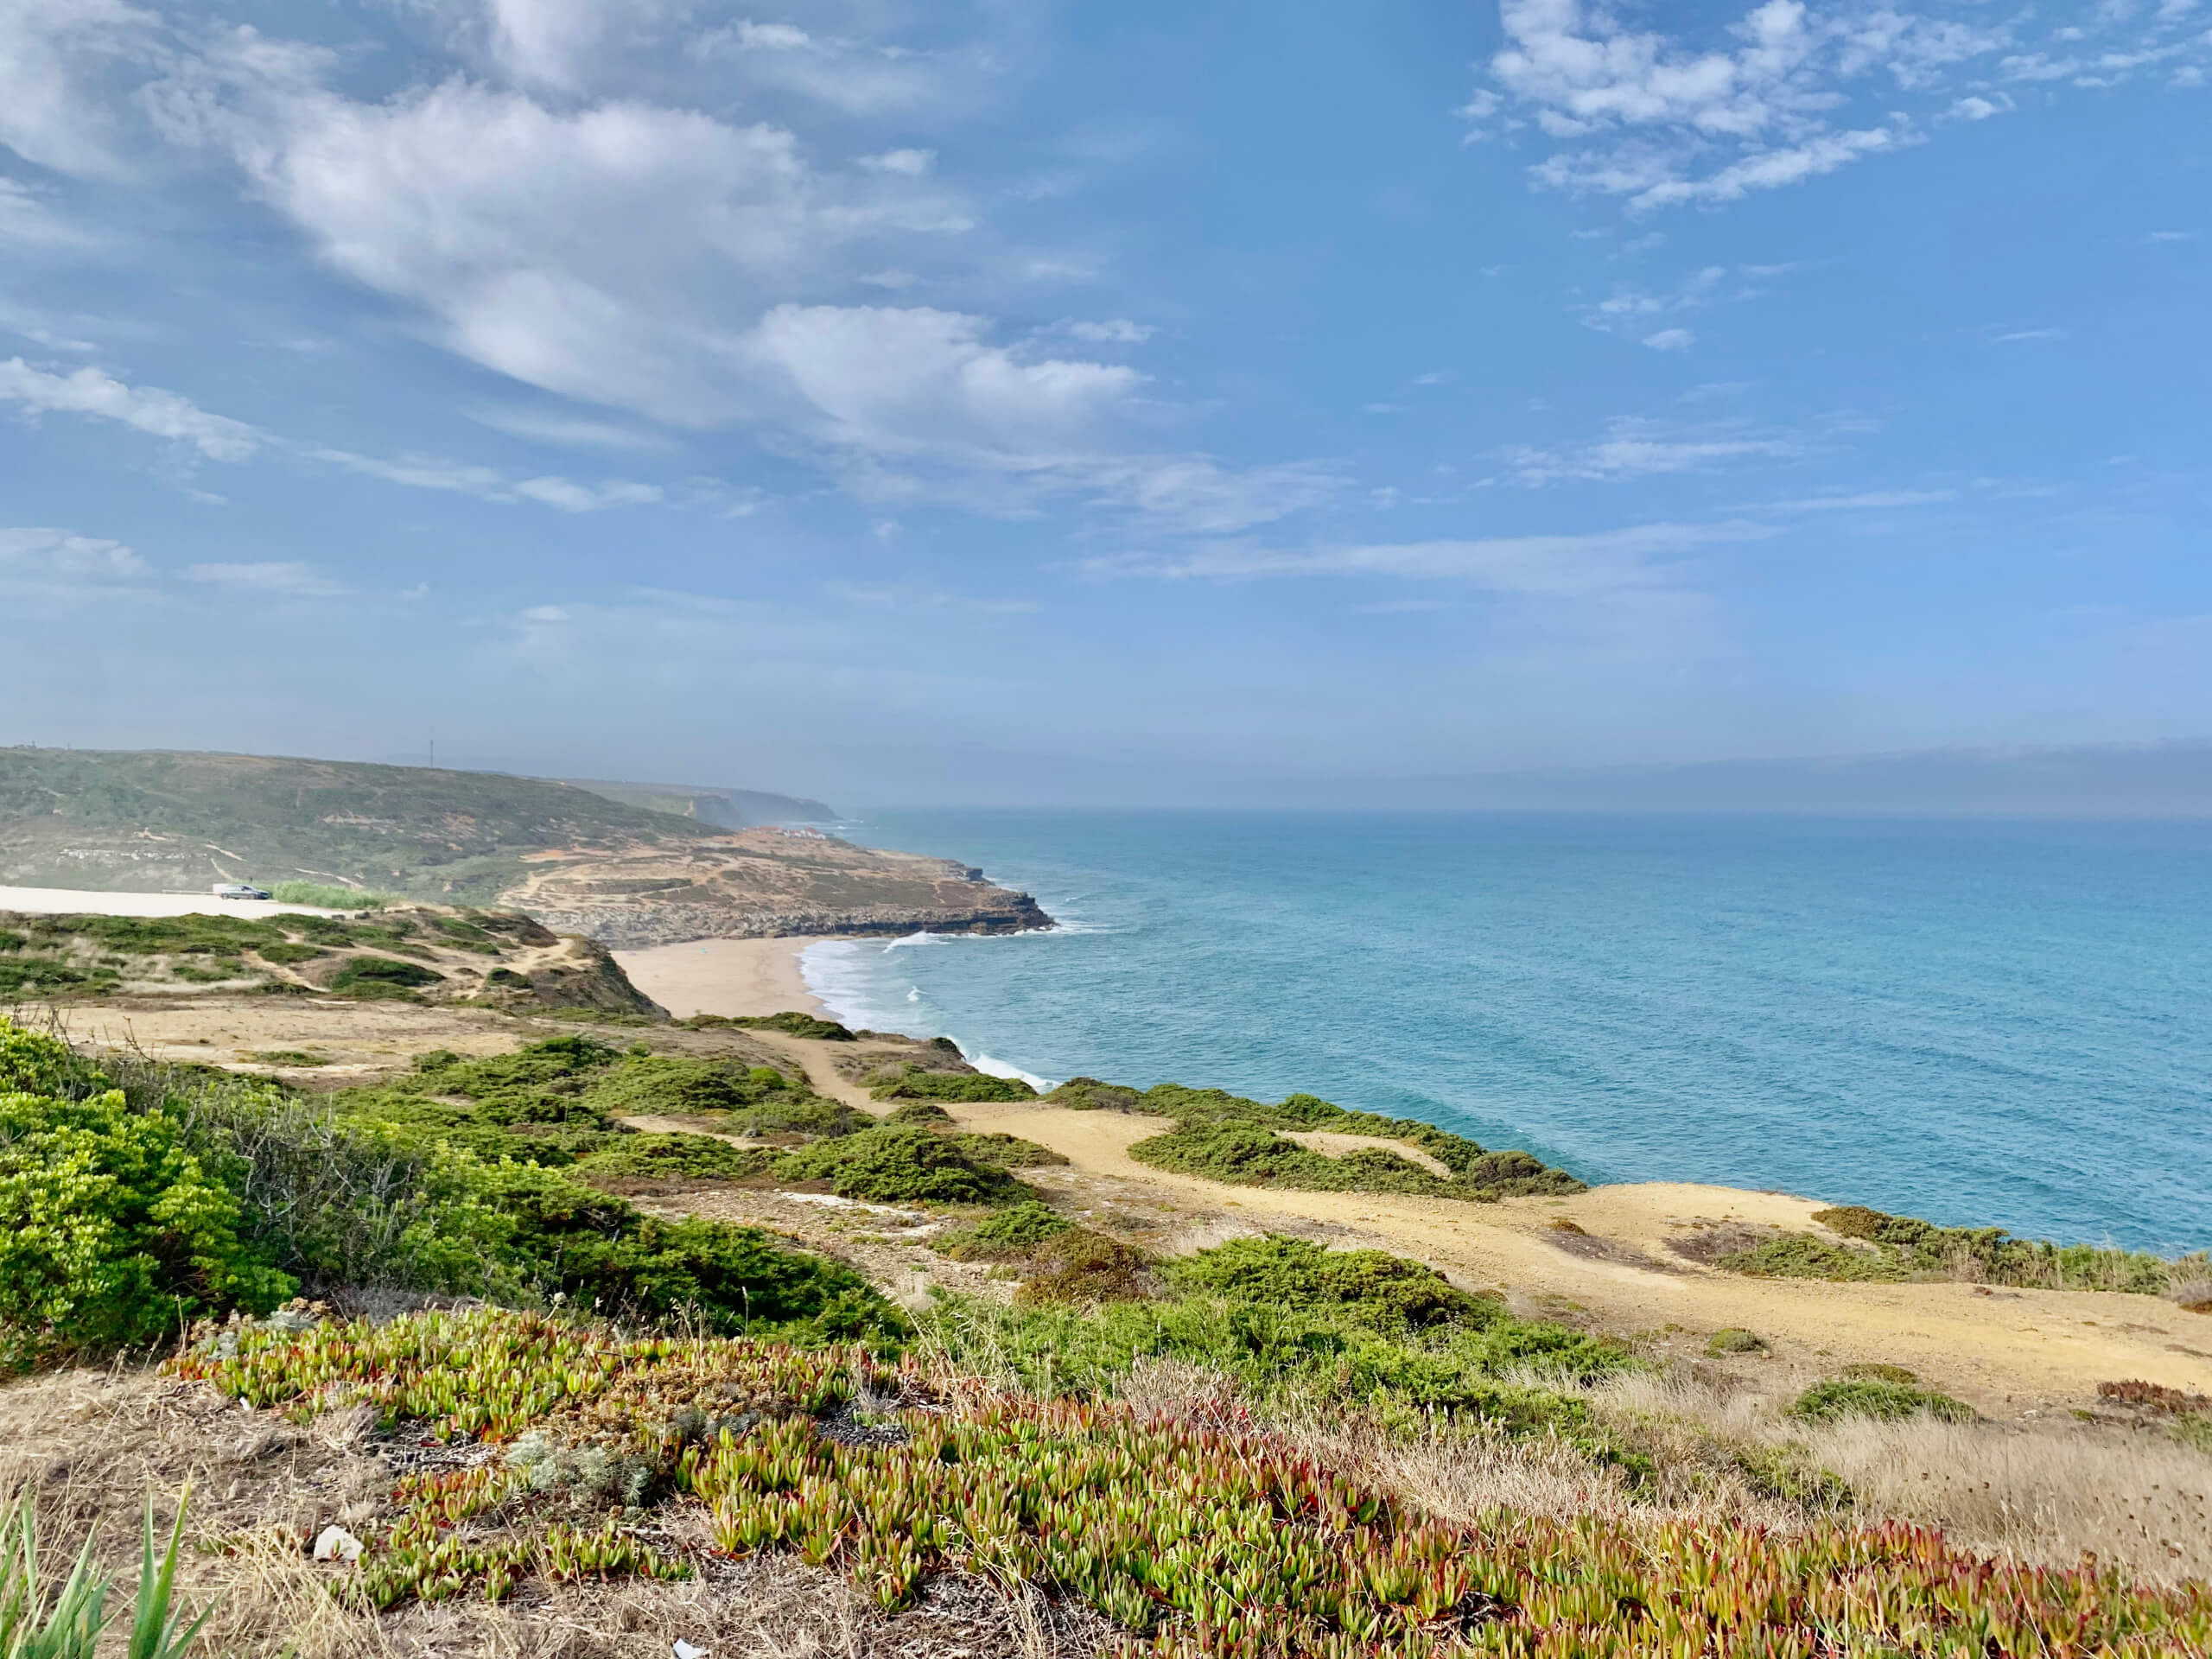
(2137, 1501)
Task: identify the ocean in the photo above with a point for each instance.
(1991, 1024)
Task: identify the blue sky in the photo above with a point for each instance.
(1143, 403)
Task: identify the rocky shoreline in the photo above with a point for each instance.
(631, 926)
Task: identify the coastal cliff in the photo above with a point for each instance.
(762, 884)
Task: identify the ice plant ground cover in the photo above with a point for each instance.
(1194, 1541)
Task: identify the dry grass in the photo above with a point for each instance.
(2135, 1499)
(2040, 1492)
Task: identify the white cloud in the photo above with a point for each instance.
(1786, 92)
(1112, 331)
(575, 431)
(907, 163)
(1866, 501)
(546, 613)
(147, 409)
(902, 596)
(1670, 340)
(1578, 567)
(59, 59)
(64, 556)
(488, 484)
(288, 578)
(1975, 107)
(2016, 335)
(27, 221)
(1642, 448)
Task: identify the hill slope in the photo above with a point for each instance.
(725, 809)
(158, 822)
(153, 821)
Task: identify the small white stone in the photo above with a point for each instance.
(334, 1543)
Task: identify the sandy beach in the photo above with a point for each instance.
(73, 901)
(725, 976)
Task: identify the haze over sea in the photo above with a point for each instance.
(1979, 1023)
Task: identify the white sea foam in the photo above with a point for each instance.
(998, 1068)
(849, 979)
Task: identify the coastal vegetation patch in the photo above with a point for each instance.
(918, 1082)
(137, 1197)
(330, 896)
(796, 1025)
(1225, 1137)
(1210, 1543)
(1864, 1391)
(1886, 1247)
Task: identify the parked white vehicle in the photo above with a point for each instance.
(237, 890)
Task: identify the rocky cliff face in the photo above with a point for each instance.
(762, 884)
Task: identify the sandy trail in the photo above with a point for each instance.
(70, 901)
(732, 977)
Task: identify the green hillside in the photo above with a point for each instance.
(726, 809)
(155, 821)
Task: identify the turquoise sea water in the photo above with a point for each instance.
(1994, 1024)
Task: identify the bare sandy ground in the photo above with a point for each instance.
(733, 978)
(2009, 1353)
(69, 902)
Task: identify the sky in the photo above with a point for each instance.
(1008, 401)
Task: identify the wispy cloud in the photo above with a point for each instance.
(2016, 336)
(1786, 92)
(1634, 448)
(64, 555)
(1866, 501)
(1560, 567)
(147, 409)
(280, 578)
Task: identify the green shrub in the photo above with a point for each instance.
(796, 1025)
(922, 1114)
(1296, 1331)
(952, 1085)
(683, 1084)
(11, 941)
(1920, 1248)
(1010, 1233)
(1802, 1255)
(1877, 1398)
(329, 897)
(508, 979)
(1379, 1288)
(1083, 1267)
(1089, 1095)
(286, 954)
(112, 1231)
(291, 1057)
(673, 1157)
(374, 976)
(888, 1164)
(1005, 1151)
(37, 977)
(1733, 1339)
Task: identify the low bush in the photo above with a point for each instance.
(922, 1114)
(794, 1025)
(125, 1207)
(1007, 1236)
(289, 1057)
(114, 1228)
(1227, 1138)
(674, 1157)
(1879, 1398)
(888, 1164)
(286, 954)
(329, 896)
(1733, 1339)
(1900, 1247)
(374, 976)
(973, 1086)
(1005, 1151)
(1371, 1286)
(1804, 1255)
(1083, 1267)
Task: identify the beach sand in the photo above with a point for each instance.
(725, 976)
